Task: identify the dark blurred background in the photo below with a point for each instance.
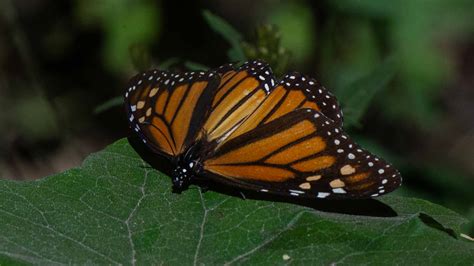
(403, 70)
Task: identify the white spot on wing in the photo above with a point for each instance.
(322, 195)
(339, 190)
(296, 191)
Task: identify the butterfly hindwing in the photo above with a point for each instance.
(302, 153)
(306, 92)
(167, 109)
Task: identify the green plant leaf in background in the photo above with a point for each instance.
(357, 96)
(113, 102)
(167, 63)
(346, 55)
(194, 66)
(115, 209)
(231, 35)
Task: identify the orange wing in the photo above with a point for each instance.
(239, 93)
(167, 109)
(301, 153)
(294, 91)
(306, 92)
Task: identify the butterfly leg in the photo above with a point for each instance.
(242, 195)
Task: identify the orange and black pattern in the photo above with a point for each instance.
(242, 127)
(239, 93)
(166, 109)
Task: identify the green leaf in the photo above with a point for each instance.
(113, 102)
(357, 96)
(115, 209)
(230, 34)
(194, 66)
(166, 64)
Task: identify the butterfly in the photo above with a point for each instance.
(239, 126)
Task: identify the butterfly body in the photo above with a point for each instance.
(239, 127)
(187, 167)
(190, 164)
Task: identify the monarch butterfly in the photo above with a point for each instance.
(239, 126)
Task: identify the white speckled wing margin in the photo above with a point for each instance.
(326, 102)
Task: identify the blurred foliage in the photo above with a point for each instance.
(36, 118)
(351, 45)
(228, 33)
(113, 102)
(348, 52)
(32, 116)
(296, 25)
(358, 95)
(415, 32)
(195, 66)
(140, 56)
(125, 23)
(166, 64)
(268, 47)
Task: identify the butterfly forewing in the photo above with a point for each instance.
(238, 95)
(302, 153)
(167, 110)
(294, 91)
